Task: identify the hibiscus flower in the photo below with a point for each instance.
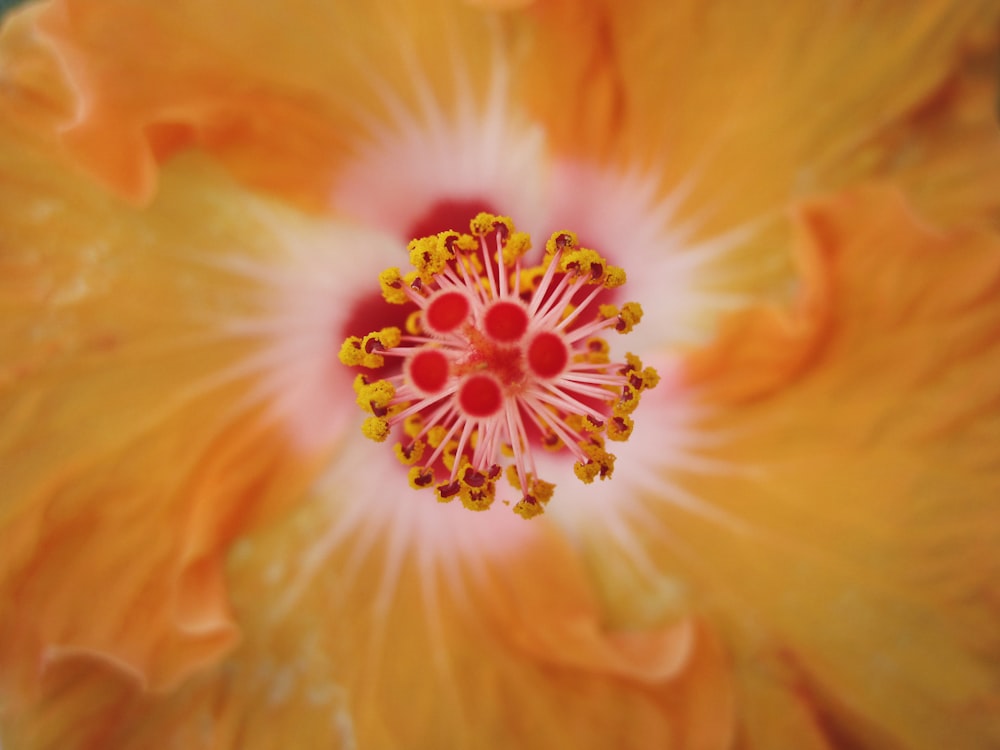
(798, 547)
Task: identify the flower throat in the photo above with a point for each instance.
(495, 353)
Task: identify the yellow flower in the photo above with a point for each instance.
(799, 546)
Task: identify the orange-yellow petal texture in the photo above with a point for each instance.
(853, 543)
(744, 107)
(178, 568)
(482, 649)
(132, 448)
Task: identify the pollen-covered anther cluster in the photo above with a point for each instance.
(499, 360)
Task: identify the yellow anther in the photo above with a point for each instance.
(447, 241)
(528, 507)
(581, 423)
(515, 247)
(629, 317)
(447, 491)
(529, 278)
(410, 454)
(374, 397)
(596, 351)
(435, 435)
(387, 337)
(422, 250)
(628, 401)
(542, 490)
(632, 364)
(608, 312)
(449, 454)
(412, 279)
(600, 464)
(485, 225)
(639, 377)
(586, 472)
(429, 257)
(375, 428)
(420, 477)
(370, 347)
(620, 428)
(412, 324)
(392, 285)
(512, 478)
(412, 425)
(351, 353)
(595, 451)
(477, 499)
(584, 262)
(478, 489)
(614, 276)
(552, 442)
(564, 241)
(466, 243)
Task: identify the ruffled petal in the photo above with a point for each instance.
(145, 425)
(282, 92)
(840, 511)
(394, 642)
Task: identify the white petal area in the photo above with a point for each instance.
(305, 300)
(627, 216)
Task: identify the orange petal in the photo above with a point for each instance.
(281, 94)
(573, 78)
(411, 636)
(740, 108)
(136, 443)
(947, 154)
(766, 105)
(35, 91)
(848, 478)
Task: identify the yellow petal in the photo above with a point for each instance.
(849, 497)
(136, 441)
(486, 644)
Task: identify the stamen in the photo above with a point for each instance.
(500, 356)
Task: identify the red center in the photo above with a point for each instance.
(428, 370)
(480, 396)
(547, 355)
(447, 311)
(447, 213)
(506, 321)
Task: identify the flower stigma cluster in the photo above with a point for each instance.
(498, 359)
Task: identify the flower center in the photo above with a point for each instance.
(497, 350)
